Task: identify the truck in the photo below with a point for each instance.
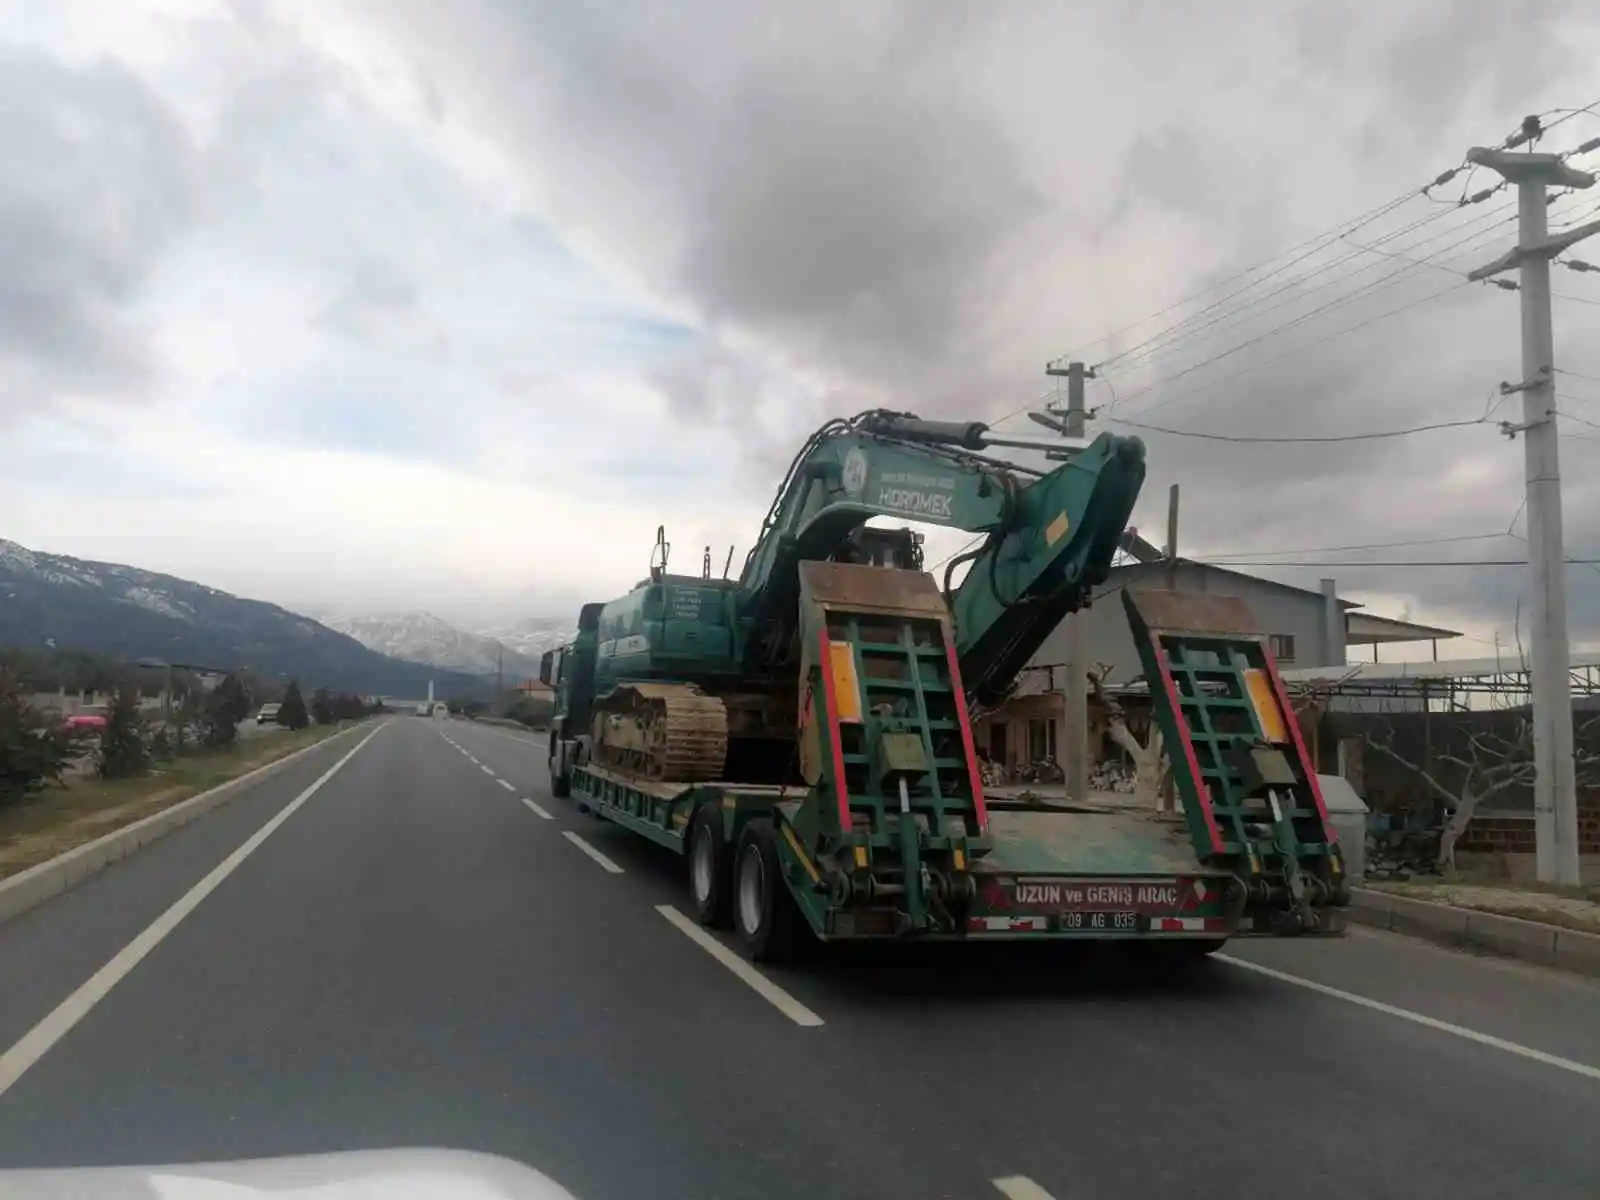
(802, 735)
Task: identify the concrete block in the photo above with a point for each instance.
(1436, 922)
(1529, 941)
(1369, 908)
(1577, 952)
(33, 886)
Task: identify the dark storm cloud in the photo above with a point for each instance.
(916, 204)
(97, 186)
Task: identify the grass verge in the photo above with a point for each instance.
(59, 819)
(1567, 908)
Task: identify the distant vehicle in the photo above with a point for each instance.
(82, 722)
(422, 710)
(269, 712)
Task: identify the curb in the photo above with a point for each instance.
(38, 883)
(1510, 937)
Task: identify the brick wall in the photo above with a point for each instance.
(1514, 835)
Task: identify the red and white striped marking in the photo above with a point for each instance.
(1189, 924)
(1042, 925)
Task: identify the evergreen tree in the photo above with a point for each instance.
(122, 750)
(32, 752)
(322, 707)
(293, 713)
(225, 707)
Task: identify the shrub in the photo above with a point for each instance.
(33, 752)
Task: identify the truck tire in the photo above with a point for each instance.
(710, 868)
(764, 912)
(560, 785)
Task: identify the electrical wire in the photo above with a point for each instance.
(1311, 439)
(1404, 544)
(1256, 366)
(1365, 289)
(1347, 226)
(1160, 344)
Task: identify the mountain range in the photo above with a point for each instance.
(424, 638)
(54, 600)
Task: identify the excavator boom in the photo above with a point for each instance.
(1048, 537)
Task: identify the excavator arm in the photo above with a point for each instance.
(1049, 537)
(1058, 544)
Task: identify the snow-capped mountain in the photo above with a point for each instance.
(422, 637)
(532, 636)
(71, 603)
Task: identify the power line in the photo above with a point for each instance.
(1161, 343)
(1349, 226)
(1376, 284)
(1256, 366)
(1317, 439)
(1409, 542)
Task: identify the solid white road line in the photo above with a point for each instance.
(37, 1042)
(1020, 1187)
(591, 852)
(764, 987)
(537, 810)
(510, 787)
(1405, 1014)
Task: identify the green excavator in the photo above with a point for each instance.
(803, 733)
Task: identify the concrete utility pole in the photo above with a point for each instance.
(1074, 754)
(1555, 803)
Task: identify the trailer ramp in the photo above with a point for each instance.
(1239, 763)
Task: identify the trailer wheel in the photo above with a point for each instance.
(764, 912)
(709, 868)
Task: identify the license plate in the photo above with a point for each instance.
(1095, 921)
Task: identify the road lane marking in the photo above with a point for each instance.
(1020, 1187)
(1405, 1014)
(486, 770)
(541, 812)
(509, 786)
(763, 987)
(591, 852)
(36, 1043)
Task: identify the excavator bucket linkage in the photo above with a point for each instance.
(1250, 796)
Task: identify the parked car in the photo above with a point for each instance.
(269, 712)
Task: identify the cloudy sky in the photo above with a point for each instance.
(436, 305)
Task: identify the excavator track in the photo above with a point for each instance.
(665, 732)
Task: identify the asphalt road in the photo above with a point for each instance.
(416, 956)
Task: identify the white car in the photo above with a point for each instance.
(268, 713)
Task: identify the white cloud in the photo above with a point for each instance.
(463, 305)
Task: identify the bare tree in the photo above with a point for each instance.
(1491, 764)
(1152, 770)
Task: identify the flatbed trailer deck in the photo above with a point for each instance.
(891, 834)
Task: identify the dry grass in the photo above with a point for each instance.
(60, 818)
(1566, 907)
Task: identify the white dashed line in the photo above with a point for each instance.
(486, 770)
(1405, 1014)
(763, 987)
(1020, 1187)
(510, 787)
(537, 810)
(591, 852)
